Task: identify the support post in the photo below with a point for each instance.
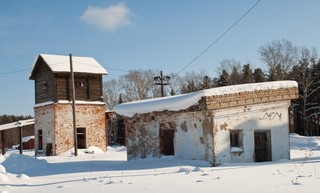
(161, 83)
(73, 108)
(20, 137)
(3, 143)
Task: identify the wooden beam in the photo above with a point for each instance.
(3, 143)
(20, 138)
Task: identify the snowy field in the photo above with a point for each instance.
(95, 171)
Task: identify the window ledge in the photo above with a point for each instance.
(236, 150)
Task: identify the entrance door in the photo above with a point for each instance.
(40, 141)
(81, 138)
(262, 146)
(167, 141)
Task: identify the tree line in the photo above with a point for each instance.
(4, 119)
(284, 61)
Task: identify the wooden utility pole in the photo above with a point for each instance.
(20, 137)
(73, 108)
(3, 142)
(162, 81)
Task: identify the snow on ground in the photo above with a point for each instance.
(94, 171)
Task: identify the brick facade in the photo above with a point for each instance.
(55, 120)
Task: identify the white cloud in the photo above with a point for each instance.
(109, 18)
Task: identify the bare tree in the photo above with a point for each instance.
(175, 82)
(229, 65)
(308, 86)
(137, 85)
(111, 92)
(280, 56)
(192, 81)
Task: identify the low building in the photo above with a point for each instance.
(54, 132)
(12, 135)
(241, 123)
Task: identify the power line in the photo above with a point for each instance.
(28, 69)
(234, 24)
(198, 56)
(15, 71)
(116, 69)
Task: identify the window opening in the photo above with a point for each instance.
(81, 138)
(236, 138)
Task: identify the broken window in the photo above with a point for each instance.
(81, 137)
(40, 139)
(44, 85)
(236, 138)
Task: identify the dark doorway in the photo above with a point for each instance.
(166, 137)
(40, 146)
(81, 138)
(262, 146)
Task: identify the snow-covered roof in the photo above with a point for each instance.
(184, 101)
(27, 138)
(17, 124)
(61, 63)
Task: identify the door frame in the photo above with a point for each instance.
(266, 149)
(166, 150)
(81, 135)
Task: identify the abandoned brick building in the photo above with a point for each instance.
(241, 123)
(54, 131)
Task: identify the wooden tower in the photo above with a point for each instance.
(54, 133)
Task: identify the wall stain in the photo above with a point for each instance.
(207, 127)
(224, 126)
(184, 126)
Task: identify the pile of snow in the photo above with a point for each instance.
(89, 150)
(184, 101)
(304, 143)
(16, 163)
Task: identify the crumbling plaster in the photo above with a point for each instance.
(192, 136)
(271, 117)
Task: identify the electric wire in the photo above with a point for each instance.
(15, 71)
(221, 36)
(29, 69)
(186, 66)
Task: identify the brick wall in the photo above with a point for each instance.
(247, 98)
(44, 120)
(88, 116)
(56, 122)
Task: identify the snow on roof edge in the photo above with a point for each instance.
(184, 101)
(69, 102)
(16, 124)
(84, 64)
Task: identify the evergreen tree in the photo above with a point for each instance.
(172, 92)
(307, 106)
(259, 75)
(247, 74)
(223, 79)
(189, 87)
(121, 127)
(235, 77)
(4, 119)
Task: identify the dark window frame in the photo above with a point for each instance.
(236, 138)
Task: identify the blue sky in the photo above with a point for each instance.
(142, 34)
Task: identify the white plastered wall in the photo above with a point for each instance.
(193, 140)
(271, 117)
